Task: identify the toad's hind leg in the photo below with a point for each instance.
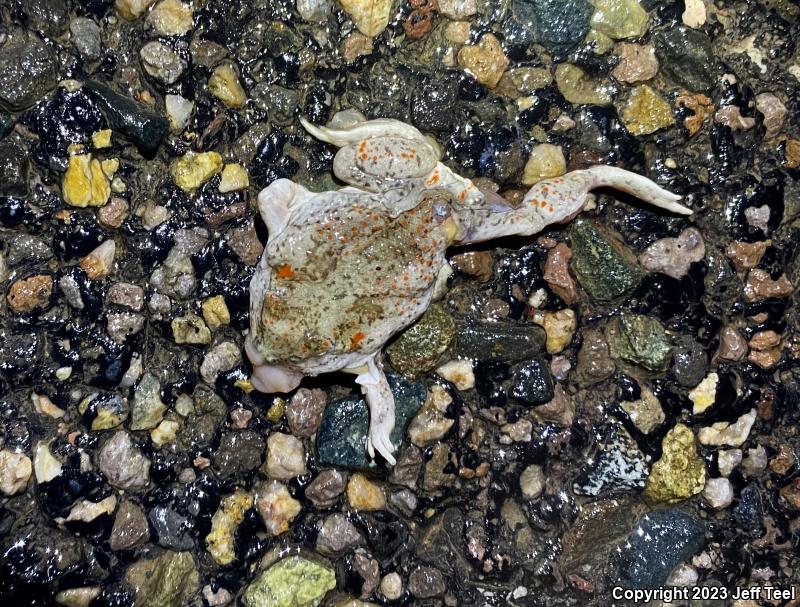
(380, 401)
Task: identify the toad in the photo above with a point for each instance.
(345, 270)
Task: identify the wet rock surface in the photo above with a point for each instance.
(608, 403)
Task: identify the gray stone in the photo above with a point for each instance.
(533, 383)
(28, 70)
(14, 170)
(130, 526)
(686, 57)
(122, 463)
(86, 37)
(161, 62)
(147, 409)
(47, 16)
(689, 362)
(426, 582)
(337, 536)
(172, 528)
(304, 411)
(558, 25)
(617, 466)
(238, 453)
(506, 340)
(26, 248)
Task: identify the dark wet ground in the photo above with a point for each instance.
(610, 404)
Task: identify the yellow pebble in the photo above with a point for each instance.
(234, 177)
(215, 312)
(192, 170)
(364, 494)
(275, 412)
(102, 139)
(224, 85)
(85, 184)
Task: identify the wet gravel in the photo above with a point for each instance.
(610, 403)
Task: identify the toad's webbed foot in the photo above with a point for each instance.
(380, 400)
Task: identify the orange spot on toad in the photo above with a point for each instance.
(356, 339)
(285, 271)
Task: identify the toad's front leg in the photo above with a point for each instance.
(380, 401)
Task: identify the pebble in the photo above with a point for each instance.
(646, 412)
(130, 526)
(645, 111)
(44, 406)
(683, 575)
(459, 373)
(78, 597)
(558, 25)
(774, 112)
(121, 325)
(229, 515)
(533, 383)
(680, 473)
(190, 329)
(430, 423)
(580, 88)
(791, 494)
(545, 162)
(325, 489)
(215, 312)
(560, 326)
(718, 492)
(234, 178)
(619, 19)
(704, 394)
(370, 16)
(276, 506)
(305, 410)
(337, 535)
(640, 340)
(166, 581)
(731, 116)
(161, 62)
(217, 598)
(171, 18)
(686, 56)
(557, 276)
(728, 460)
(85, 184)
(193, 169)
(113, 214)
(694, 15)
(294, 581)
(85, 35)
(127, 295)
(392, 586)
(485, 61)
(531, 481)
(164, 433)
(477, 264)
(426, 582)
(28, 294)
(313, 10)
(45, 466)
(179, 111)
(286, 457)
(731, 434)
(363, 495)
(122, 463)
(28, 69)
(238, 453)
(147, 408)
(100, 262)
(224, 85)
(755, 462)
(760, 286)
(420, 347)
(86, 511)
(594, 361)
(700, 105)
(132, 9)
(15, 472)
(732, 346)
(673, 256)
(224, 356)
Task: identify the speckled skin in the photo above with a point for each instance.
(345, 270)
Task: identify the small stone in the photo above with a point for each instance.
(99, 263)
(122, 463)
(680, 473)
(459, 373)
(457, 10)
(44, 406)
(755, 462)
(533, 383)
(234, 178)
(732, 434)
(640, 340)
(224, 356)
(704, 394)
(645, 111)
(122, 325)
(101, 140)
(791, 494)
(765, 340)
(130, 527)
(774, 112)
(286, 457)
(731, 116)
(637, 62)
(356, 45)
(420, 347)
(78, 597)
(190, 329)
(700, 105)
(556, 273)
(113, 214)
(579, 88)
(673, 256)
(430, 424)
(161, 62)
(555, 24)
(84, 183)
(217, 598)
(305, 410)
(126, 294)
(86, 511)
(28, 294)
(531, 482)
(132, 9)
(426, 582)
(28, 68)
(147, 409)
(215, 312)
(164, 433)
(15, 472)
(560, 327)
(171, 18)
(694, 15)
(313, 10)
(392, 586)
(45, 466)
(792, 153)
(728, 460)
(85, 35)
(362, 494)
(477, 264)
(294, 581)
(325, 489)
(166, 581)
(224, 85)
(370, 16)
(276, 506)
(760, 286)
(718, 492)
(486, 60)
(594, 361)
(226, 519)
(337, 536)
(545, 162)
(746, 255)
(179, 110)
(192, 170)
(732, 346)
(646, 412)
(758, 217)
(619, 19)
(687, 57)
